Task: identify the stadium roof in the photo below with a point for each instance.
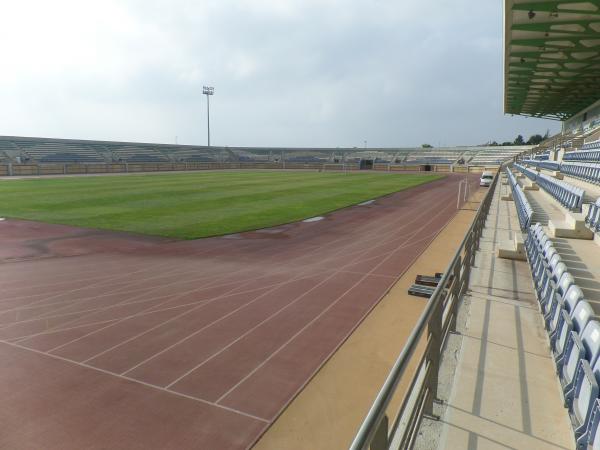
(551, 57)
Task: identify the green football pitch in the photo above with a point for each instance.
(194, 205)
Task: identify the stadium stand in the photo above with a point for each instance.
(592, 218)
(138, 154)
(583, 155)
(48, 151)
(543, 295)
(51, 152)
(566, 194)
(495, 156)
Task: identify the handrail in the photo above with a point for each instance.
(438, 319)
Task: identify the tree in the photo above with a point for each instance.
(535, 139)
(505, 143)
(426, 146)
(519, 140)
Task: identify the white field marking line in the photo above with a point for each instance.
(220, 319)
(69, 303)
(98, 274)
(369, 227)
(332, 257)
(271, 289)
(367, 312)
(399, 247)
(57, 328)
(125, 302)
(137, 259)
(138, 314)
(321, 314)
(249, 245)
(98, 285)
(98, 330)
(80, 313)
(114, 277)
(151, 308)
(228, 293)
(171, 272)
(121, 265)
(142, 313)
(124, 290)
(123, 287)
(353, 242)
(133, 380)
(352, 262)
(57, 283)
(169, 299)
(352, 272)
(166, 299)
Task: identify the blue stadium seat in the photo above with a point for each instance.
(591, 439)
(585, 347)
(585, 393)
(592, 219)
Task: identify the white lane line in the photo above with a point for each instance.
(159, 388)
(285, 344)
(354, 261)
(313, 219)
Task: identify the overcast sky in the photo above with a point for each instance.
(285, 72)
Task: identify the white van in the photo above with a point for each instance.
(486, 179)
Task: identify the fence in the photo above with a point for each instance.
(435, 323)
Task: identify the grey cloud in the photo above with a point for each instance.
(294, 73)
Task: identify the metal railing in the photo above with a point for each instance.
(435, 323)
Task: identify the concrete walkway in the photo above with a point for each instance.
(505, 392)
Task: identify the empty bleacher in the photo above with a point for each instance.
(58, 152)
(573, 330)
(32, 151)
(504, 391)
(565, 286)
(497, 155)
(566, 194)
(135, 154)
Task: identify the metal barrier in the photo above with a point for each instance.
(437, 320)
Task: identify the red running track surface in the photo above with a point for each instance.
(109, 340)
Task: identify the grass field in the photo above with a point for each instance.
(194, 205)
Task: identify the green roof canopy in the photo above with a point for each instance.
(551, 57)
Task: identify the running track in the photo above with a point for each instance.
(109, 340)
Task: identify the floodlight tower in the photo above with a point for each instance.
(208, 90)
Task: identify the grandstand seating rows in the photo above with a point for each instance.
(571, 197)
(592, 218)
(549, 165)
(582, 155)
(495, 155)
(524, 209)
(40, 150)
(591, 145)
(542, 156)
(574, 334)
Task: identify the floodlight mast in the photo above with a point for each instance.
(208, 90)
